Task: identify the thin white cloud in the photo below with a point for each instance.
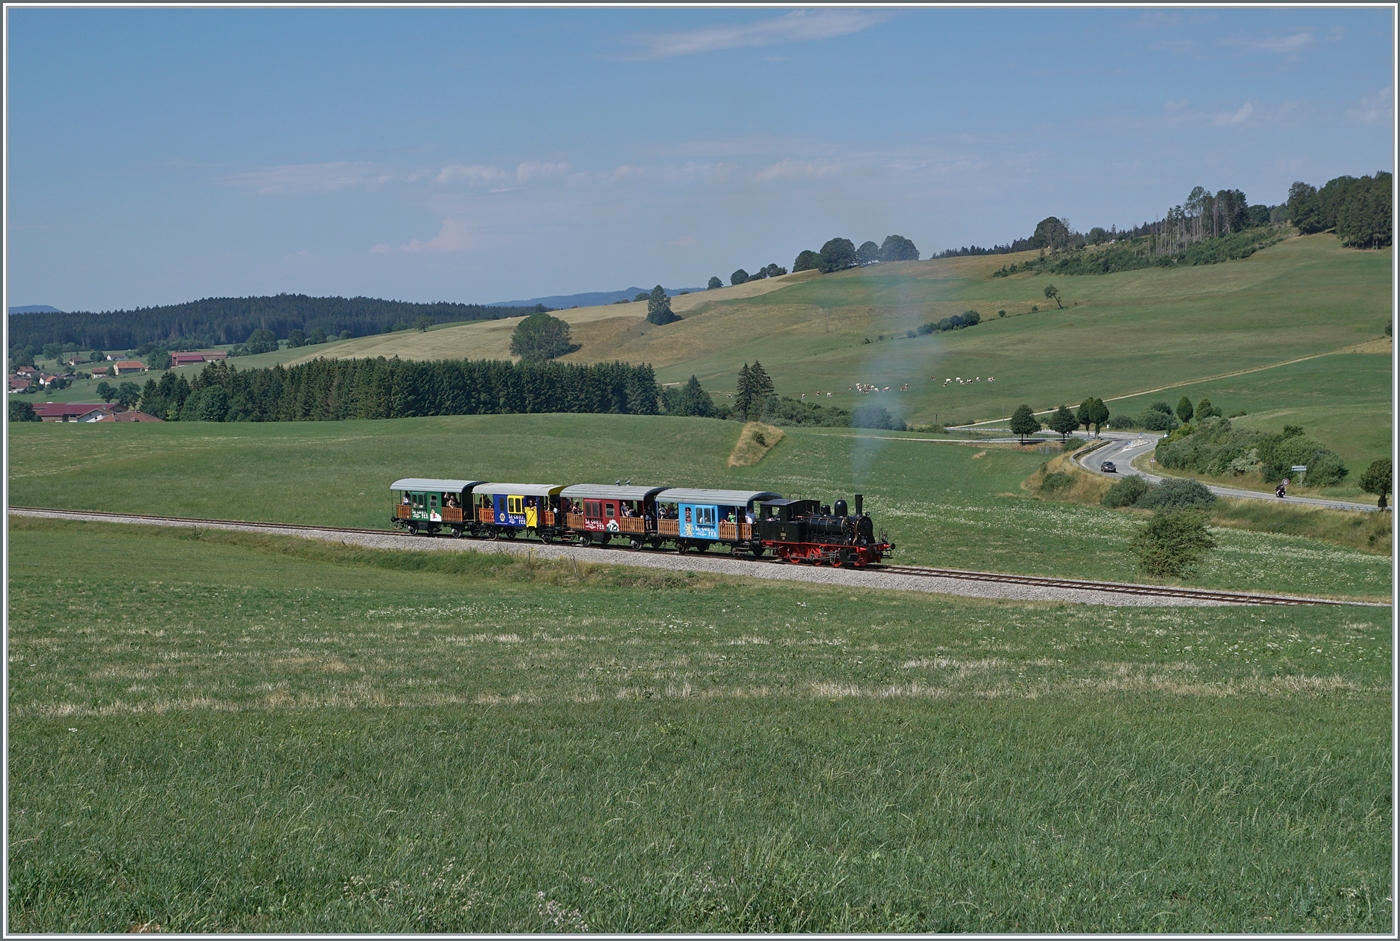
(801, 26)
(1374, 108)
(499, 180)
(1236, 118)
(310, 177)
(685, 241)
(1279, 45)
(454, 236)
(798, 170)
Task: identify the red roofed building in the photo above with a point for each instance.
(197, 356)
(131, 415)
(29, 371)
(99, 370)
(74, 411)
(19, 383)
(128, 365)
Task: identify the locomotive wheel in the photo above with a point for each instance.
(512, 533)
(635, 544)
(585, 539)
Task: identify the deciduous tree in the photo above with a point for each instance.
(1024, 423)
(1376, 478)
(715, 282)
(1053, 293)
(541, 337)
(1063, 422)
(836, 254)
(1184, 409)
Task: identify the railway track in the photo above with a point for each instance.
(1206, 595)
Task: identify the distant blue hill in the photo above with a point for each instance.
(35, 309)
(589, 299)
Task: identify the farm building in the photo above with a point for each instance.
(128, 365)
(197, 356)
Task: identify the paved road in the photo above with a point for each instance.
(1123, 449)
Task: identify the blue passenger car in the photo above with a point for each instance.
(510, 509)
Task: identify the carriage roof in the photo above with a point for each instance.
(432, 483)
(520, 490)
(609, 492)
(717, 497)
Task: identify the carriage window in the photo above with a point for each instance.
(418, 500)
(514, 505)
(609, 509)
(433, 500)
(590, 508)
(705, 515)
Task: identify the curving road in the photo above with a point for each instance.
(1123, 449)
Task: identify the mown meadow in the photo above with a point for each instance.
(214, 731)
(941, 503)
(1117, 334)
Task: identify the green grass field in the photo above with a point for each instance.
(216, 732)
(942, 504)
(1118, 334)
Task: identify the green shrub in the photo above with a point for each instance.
(1172, 543)
(1279, 453)
(1126, 492)
(1055, 481)
(1157, 420)
(1175, 493)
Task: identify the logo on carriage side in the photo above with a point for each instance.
(613, 527)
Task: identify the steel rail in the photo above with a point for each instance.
(1039, 581)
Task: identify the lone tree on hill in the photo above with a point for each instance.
(1376, 479)
(898, 248)
(1053, 293)
(1063, 422)
(1184, 410)
(1023, 422)
(1051, 233)
(422, 323)
(739, 277)
(659, 307)
(715, 282)
(836, 255)
(1093, 412)
(540, 337)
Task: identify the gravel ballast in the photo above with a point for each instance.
(691, 562)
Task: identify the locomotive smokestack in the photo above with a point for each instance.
(860, 502)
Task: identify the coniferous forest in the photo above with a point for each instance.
(337, 389)
(223, 320)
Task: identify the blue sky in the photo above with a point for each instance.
(475, 155)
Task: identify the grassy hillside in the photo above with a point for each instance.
(238, 733)
(944, 504)
(1118, 334)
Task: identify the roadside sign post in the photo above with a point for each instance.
(1302, 469)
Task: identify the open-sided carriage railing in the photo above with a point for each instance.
(486, 515)
(403, 511)
(735, 532)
